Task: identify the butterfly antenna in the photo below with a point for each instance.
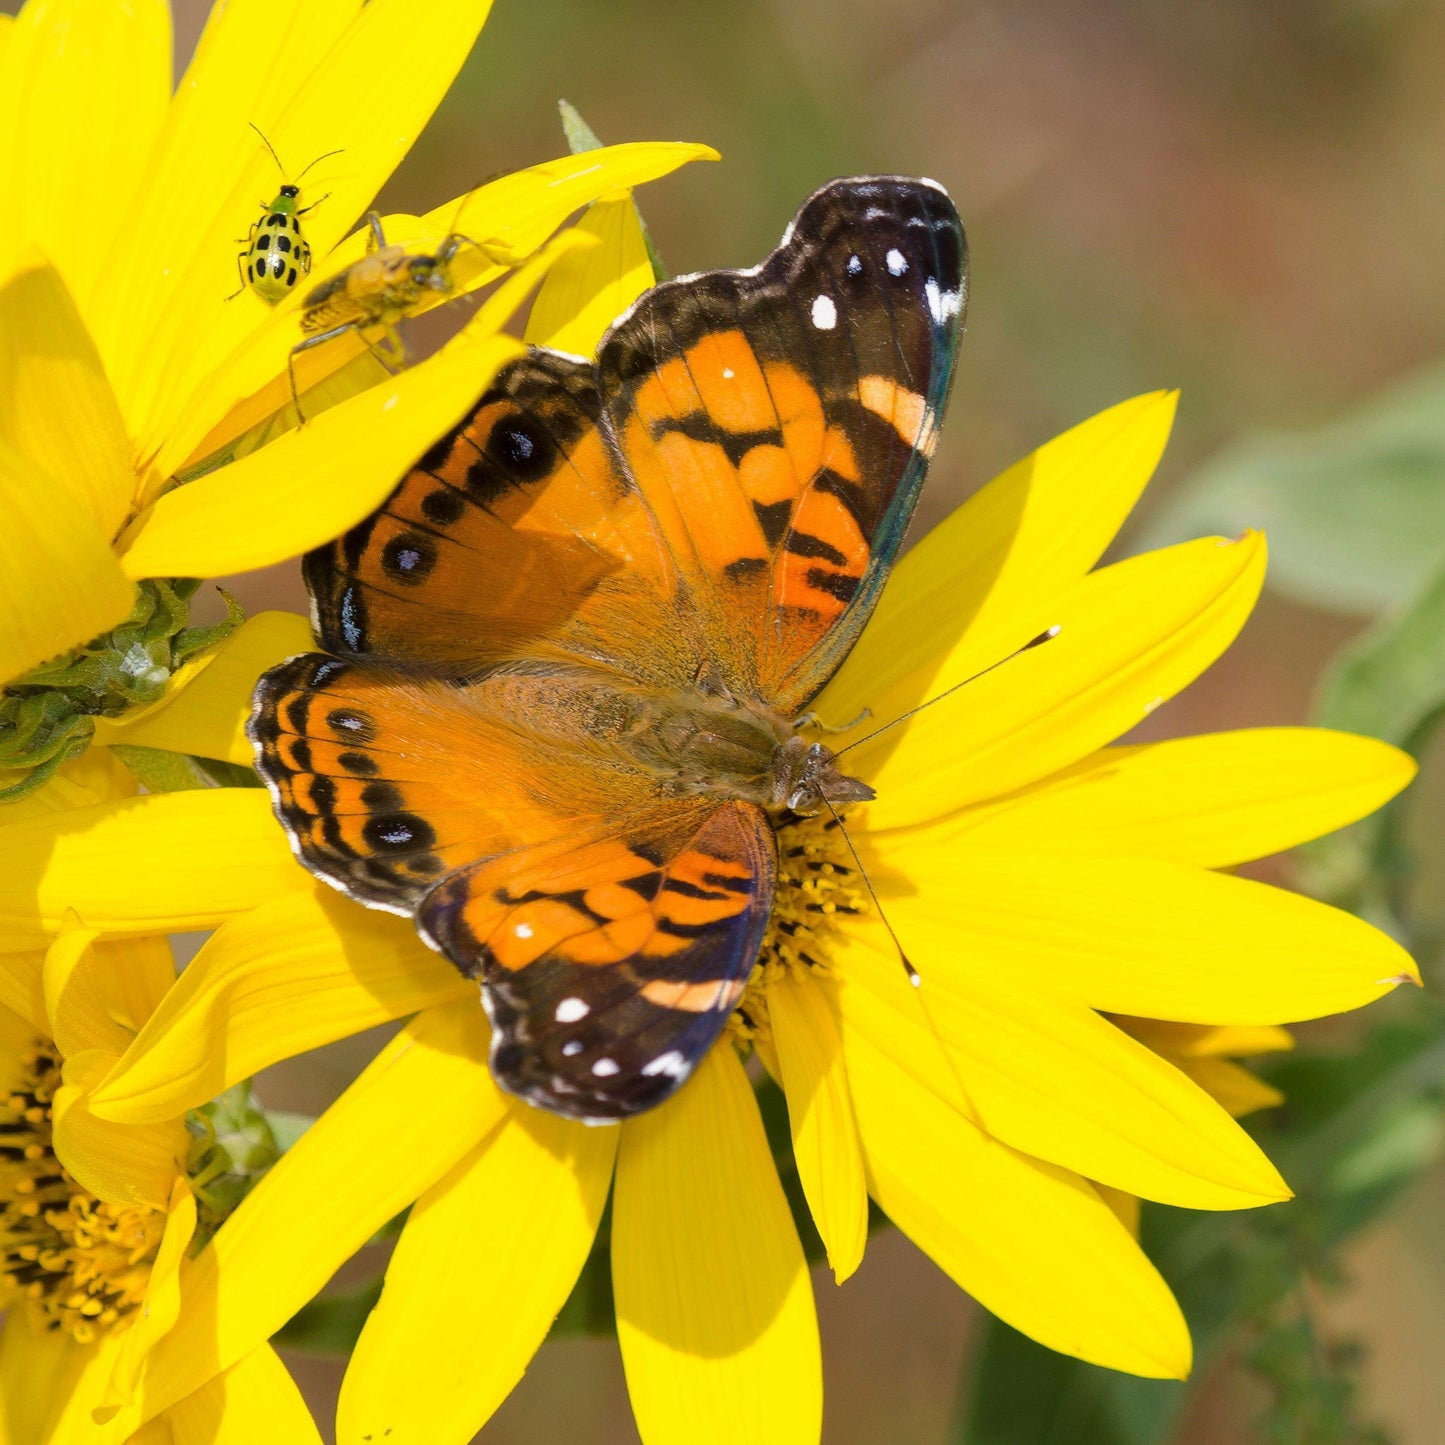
(314, 163)
(270, 148)
(873, 894)
(914, 977)
(1047, 635)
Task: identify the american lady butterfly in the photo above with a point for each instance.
(557, 724)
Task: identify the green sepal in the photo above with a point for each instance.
(46, 715)
(581, 137)
(232, 1148)
(159, 771)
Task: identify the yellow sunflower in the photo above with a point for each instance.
(1065, 900)
(131, 362)
(96, 1217)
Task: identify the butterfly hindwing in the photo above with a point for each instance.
(609, 970)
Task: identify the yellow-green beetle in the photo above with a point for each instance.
(276, 255)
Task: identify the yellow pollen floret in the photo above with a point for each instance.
(818, 884)
(85, 1264)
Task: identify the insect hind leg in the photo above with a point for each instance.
(393, 363)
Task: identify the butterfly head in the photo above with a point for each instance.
(806, 776)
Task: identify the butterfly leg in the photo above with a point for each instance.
(811, 719)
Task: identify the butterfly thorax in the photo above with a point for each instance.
(701, 745)
(694, 741)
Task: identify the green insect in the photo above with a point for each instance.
(276, 255)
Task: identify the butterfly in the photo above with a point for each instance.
(557, 718)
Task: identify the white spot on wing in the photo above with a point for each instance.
(571, 1048)
(728, 373)
(825, 313)
(897, 262)
(671, 1063)
(855, 265)
(523, 930)
(570, 1010)
(943, 306)
(605, 1068)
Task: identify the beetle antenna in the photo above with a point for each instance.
(269, 147)
(316, 162)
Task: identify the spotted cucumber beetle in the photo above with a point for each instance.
(384, 286)
(276, 255)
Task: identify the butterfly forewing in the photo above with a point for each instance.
(779, 422)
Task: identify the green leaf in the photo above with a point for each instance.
(1354, 512)
(1390, 684)
(1391, 681)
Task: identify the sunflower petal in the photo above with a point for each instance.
(1051, 1078)
(1132, 635)
(126, 1164)
(206, 708)
(1030, 532)
(56, 405)
(1031, 1242)
(820, 1113)
(161, 863)
(97, 994)
(290, 975)
(162, 1303)
(60, 584)
(1235, 1089)
(714, 1305)
(588, 290)
(1141, 936)
(486, 1260)
(49, 1384)
(421, 1104)
(256, 1399)
(1214, 800)
(84, 86)
(22, 993)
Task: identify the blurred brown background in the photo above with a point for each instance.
(1241, 198)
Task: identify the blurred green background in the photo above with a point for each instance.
(1241, 198)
